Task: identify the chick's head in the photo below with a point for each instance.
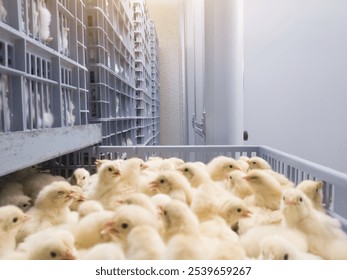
(125, 218)
(81, 176)
(136, 163)
(258, 163)
(233, 210)
(109, 171)
(54, 250)
(177, 214)
(62, 193)
(187, 170)
(11, 218)
(118, 230)
(260, 179)
(161, 184)
(312, 189)
(230, 165)
(295, 205)
(20, 200)
(55, 195)
(234, 177)
(293, 198)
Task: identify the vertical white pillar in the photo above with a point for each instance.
(224, 72)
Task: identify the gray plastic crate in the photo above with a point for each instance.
(293, 167)
(121, 90)
(146, 76)
(155, 85)
(67, 64)
(50, 73)
(43, 81)
(110, 59)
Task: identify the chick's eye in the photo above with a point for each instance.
(238, 210)
(61, 193)
(254, 162)
(53, 254)
(165, 212)
(231, 166)
(110, 169)
(286, 257)
(84, 177)
(300, 199)
(124, 226)
(15, 220)
(186, 169)
(162, 181)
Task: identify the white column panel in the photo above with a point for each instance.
(224, 71)
(193, 66)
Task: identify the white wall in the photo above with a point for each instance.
(296, 77)
(165, 14)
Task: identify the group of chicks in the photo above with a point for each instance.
(167, 209)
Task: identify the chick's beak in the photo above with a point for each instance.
(69, 255)
(153, 185)
(144, 166)
(109, 228)
(98, 162)
(290, 202)
(247, 178)
(70, 195)
(81, 198)
(79, 182)
(246, 214)
(120, 201)
(26, 217)
(160, 210)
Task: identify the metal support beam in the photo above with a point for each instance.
(22, 149)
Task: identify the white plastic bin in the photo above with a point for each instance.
(294, 168)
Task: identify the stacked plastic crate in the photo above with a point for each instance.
(143, 79)
(125, 104)
(120, 97)
(155, 84)
(43, 88)
(111, 67)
